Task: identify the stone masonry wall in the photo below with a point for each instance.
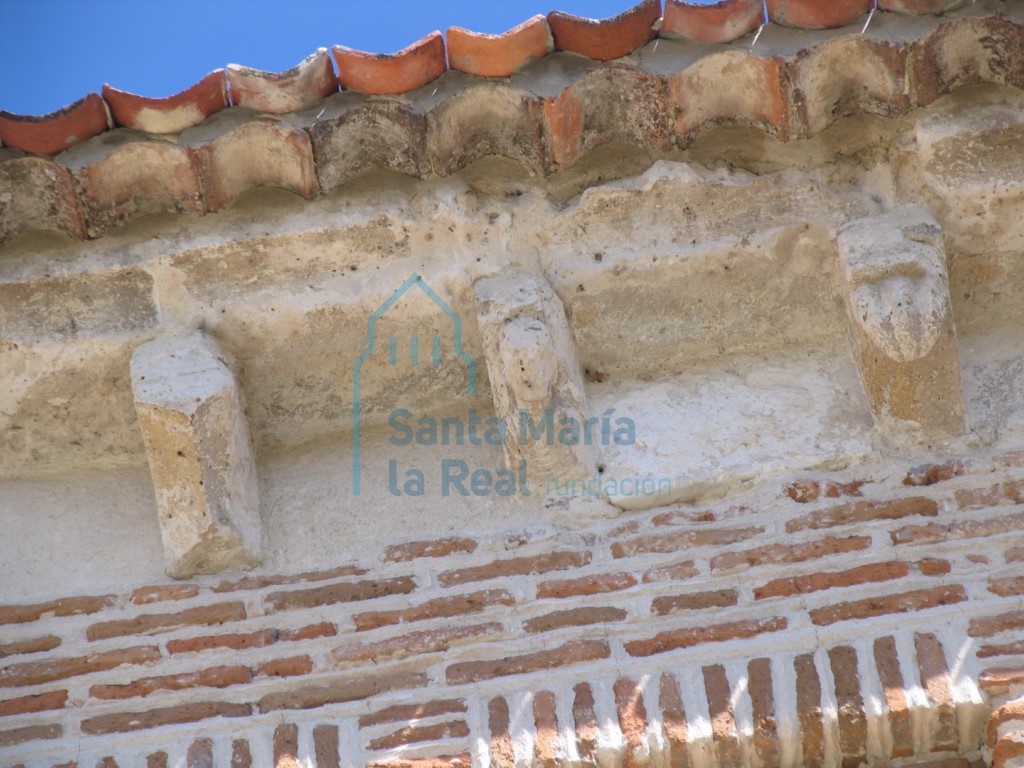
(822, 620)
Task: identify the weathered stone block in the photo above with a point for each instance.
(897, 294)
(38, 194)
(385, 135)
(845, 77)
(486, 120)
(612, 104)
(535, 375)
(262, 153)
(138, 178)
(200, 456)
(754, 95)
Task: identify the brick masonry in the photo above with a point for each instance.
(734, 634)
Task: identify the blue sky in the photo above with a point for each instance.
(53, 52)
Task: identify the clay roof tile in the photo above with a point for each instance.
(55, 132)
(499, 55)
(720, 22)
(381, 73)
(172, 114)
(281, 92)
(605, 39)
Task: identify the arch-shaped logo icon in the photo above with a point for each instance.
(371, 345)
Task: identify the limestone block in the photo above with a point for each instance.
(38, 194)
(972, 174)
(200, 456)
(897, 294)
(535, 377)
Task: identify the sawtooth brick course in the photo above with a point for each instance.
(853, 728)
(808, 704)
(241, 756)
(673, 715)
(931, 661)
(286, 746)
(762, 698)
(629, 704)
(501, 750)
(723, 722)
(200, 754)
(588, 730)
(326, 746)
(897, 706)
(545, 719)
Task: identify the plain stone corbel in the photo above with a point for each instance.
(901, 317)
(189, 407)
(535, 375)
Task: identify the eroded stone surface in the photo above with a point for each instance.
(200, 455)
(37, 194)
(898, 302)
(535, 374)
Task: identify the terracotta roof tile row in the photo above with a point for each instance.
(123, 174)
(426, 60)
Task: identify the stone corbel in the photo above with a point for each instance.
(897, 299)
(189, 407)
(535, 376)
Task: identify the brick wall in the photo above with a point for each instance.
(818, 621)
